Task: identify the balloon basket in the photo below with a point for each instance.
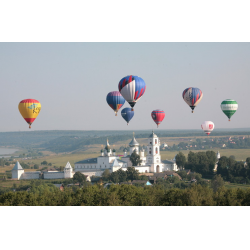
(29, 126)
(132, 109)
(229, 120)
(192, 111)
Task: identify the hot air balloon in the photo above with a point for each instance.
(127, 114)
(132, 89)
(29, 109)
(229, 107)
(115, 100)
(158, 116)
(192, 96)
(207, 127)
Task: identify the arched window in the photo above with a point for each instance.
(156, 150)
(155, 141)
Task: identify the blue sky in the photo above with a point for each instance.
(71, 80)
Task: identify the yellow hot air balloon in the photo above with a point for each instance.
(29, 109)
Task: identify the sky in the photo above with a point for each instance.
(72, 80)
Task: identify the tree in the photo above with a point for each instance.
(132, 174)
(192, 158)
(36, 166)
(135, 159)
(106, 175)
(180, 160)
(232, 156)
(217, 182)
(44, 163)
(212, 158)
(79, 177)
(248, 161)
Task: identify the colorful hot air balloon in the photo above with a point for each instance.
(192, 96)
(115, 100)
(29, 109)
(132, 89)
(158, 116)
(229, 107)
(127, 114)
(207, 127)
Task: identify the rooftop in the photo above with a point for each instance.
(133, 143)
(153, 135)
(89, 160)
(17, 166)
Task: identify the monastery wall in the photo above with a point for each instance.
(53, 175)
(30, 175)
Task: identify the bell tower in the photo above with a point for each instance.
(153, 153)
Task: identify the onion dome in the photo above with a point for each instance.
(133, 143)
(107, 146)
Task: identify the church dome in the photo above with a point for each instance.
(133, 143)
(153, 135)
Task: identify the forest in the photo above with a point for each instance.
(69, 140)
(127, 195)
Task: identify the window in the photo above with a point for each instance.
(150, 143)
(156, 150)
(155, 141)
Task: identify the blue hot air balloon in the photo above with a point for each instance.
(127, 114)
(115, 100)
(132, 88)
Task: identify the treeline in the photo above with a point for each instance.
(72, 143)
(200, 162)
(234, 171)
(67, 141)
(204, 163)
(127, 195)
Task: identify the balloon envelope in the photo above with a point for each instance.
(192, 96)
(207, 127)
(29, 109)
(158, 116)
(115, 100)
(229, 107)
(132, 89)
(127, 114)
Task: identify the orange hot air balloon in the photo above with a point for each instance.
(29, 109)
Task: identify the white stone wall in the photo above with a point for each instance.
(143, 169)
(30, 175)
(53, 175)
(92, 173)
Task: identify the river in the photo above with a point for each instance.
(6, 152)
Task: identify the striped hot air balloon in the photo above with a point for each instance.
(29, 109)
(132, 89)
(158, 116)
(229, 107)
(192, 96)
(115, 100)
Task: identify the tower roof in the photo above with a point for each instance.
(17, 166)
(68, 166)
(153, 135)
(133, 143)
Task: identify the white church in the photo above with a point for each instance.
(150, 163)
